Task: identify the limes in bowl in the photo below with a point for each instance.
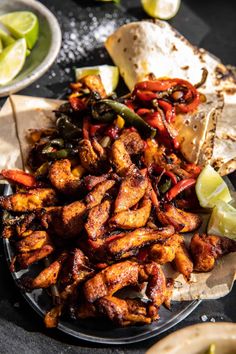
(210, 188)
(109, 75)
(18, 34)
(12, 60)
(223, 220)
(22, 24)
(163, 9)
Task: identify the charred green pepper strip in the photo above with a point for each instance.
(165, 186)
(130, 117)
(67, 129)
(60, 154)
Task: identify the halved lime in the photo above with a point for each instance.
(163, 9)
(6, 38)
(223, 220)
(109, 75)
(211, 187)
(22, 24)
(12, 60)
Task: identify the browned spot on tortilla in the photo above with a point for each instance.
(186, 67)
(174, 48)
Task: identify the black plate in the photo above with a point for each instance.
(99, 330)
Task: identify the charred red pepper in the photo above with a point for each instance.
(76, 103)
(168, 109)
(172, 176)
(145, 95)
(180, 187)
(20, 177)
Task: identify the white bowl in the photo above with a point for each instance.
(196, 339)
(46, 49)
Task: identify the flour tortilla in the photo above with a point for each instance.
(141, 48)
(32, 113)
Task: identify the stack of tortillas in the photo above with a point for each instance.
(208, 135)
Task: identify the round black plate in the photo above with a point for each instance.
(99, 330)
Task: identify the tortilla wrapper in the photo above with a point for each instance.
(141, 48)
(32, 113)
(9, 143)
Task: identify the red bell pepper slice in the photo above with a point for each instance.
(172, 176)
(86, 126)
(168, 109)
(156, 85)
(77, 104)
(145, 95)
(20, 177)
(180, 187)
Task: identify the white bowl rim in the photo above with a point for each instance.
(50, 57)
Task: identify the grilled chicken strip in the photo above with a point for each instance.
(66, 221)
(183, 261)
(97, 217)
(131, 242)
(32, 242)
(132, 141)
(123, 312)
(88, 157)
(206, 249)
(49, 275)
(28, 258)
(110, 280)
(132, 219)
(165, 253)
(61, 177)
(29, 201)
(132, 189)
(120, 158)
(181, 220)
(98, 193)
(76, 271)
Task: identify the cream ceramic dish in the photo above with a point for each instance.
(196, 339)
(46, 49)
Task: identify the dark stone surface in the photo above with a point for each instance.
(210, 24)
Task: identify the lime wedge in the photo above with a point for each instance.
(223, 220)
(109, 75)
(211, 187)
(6, 38)
(1, 46)
(22, 24)
(12, 60)
(163, 9)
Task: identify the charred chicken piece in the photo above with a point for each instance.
(29, 201)
(98, 193)
(28, 258)
(159, 290)
(120, 158)
(110, 280)
(77, 267)
(165, 253)
(91, 181)
(132, 141)
(89, 158)
(182, 261)
(181, 220)
(67, 221)
(123, 312)
(206, 249)
(132, 219)
(49, 275)
(76, 271)
(61, 177)
(97, 217)
(32, 242)
(94, 83)
(132, 189)
(131, 242)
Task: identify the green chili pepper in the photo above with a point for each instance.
(42, 170)
(165, 186)
(67, 129)
(61, 154)
(129, 116)
(103, 112)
